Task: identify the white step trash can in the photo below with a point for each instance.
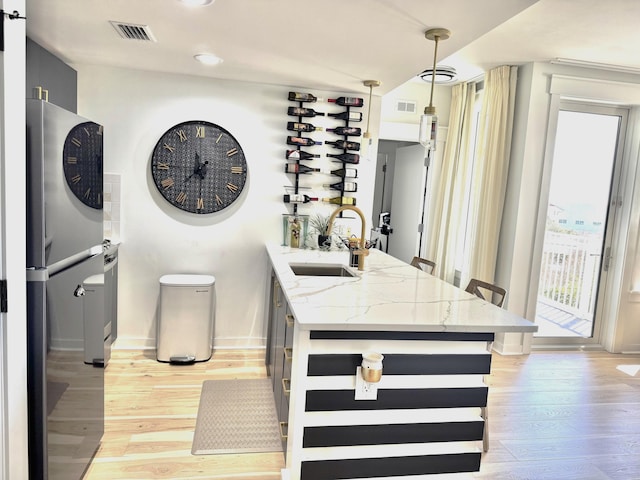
(186, 318)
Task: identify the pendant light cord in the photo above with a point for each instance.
(369, 111)
(370, 84)
(436, 38)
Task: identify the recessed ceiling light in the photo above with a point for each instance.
(208, 58)
(197, 3)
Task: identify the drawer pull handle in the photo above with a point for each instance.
(288, 353)
(284, 430)
(276, 294)
(286, 386)
(290, 320)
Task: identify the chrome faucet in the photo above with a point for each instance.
(362, 251)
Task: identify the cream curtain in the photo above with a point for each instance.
(449, 183)
(491, 166)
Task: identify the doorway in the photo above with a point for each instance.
(399, 193)
(408, 201)
(580, 218)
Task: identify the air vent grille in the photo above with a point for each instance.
(406, 106)
(131, 31)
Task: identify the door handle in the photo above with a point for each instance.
(284, 430)
(607, 259)
(290, 320)
(276, 294)
(288, 354)
(286, 386)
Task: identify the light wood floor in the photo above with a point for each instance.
(553, 416)
(564, 416)
(150, 417)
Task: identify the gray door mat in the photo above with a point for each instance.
(236, 416)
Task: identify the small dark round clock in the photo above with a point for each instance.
(199, 167)
(82, 163)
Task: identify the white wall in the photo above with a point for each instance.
(418, 92)
(136, 108)
(521, 227)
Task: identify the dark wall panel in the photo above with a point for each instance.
(392, 335)
(403, 364)
(346, 435)
(390, 466)
(328, 400)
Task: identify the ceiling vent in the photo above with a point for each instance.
(405, 106)
(131, 31)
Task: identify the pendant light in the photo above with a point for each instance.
(429, 121)
(370, 84)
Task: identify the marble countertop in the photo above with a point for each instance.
(388, 294)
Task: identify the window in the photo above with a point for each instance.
(571, 267)
(463, 247)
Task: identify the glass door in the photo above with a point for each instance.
(580, 218)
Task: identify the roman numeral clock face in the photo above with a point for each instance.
(199, 167)
(82, 163)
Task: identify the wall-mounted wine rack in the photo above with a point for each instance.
(347, 146)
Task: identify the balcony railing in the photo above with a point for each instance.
(570, 271)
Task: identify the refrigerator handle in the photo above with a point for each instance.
(74, 260)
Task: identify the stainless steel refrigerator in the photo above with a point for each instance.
(64, 250)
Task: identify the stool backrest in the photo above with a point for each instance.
(423, 264)
(487, 291)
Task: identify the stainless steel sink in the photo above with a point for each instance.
(321, 270)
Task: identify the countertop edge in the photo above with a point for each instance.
(300, 293)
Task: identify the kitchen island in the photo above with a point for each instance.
(427, 414)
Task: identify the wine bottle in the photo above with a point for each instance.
(298, 198)
(297, 168)
(307, 142)
(347, 101)
(346, 131)
(302, 97)
(304, 112)
(346, 157)
(344, 145)
(343, 172)
(303, 127)
(351, 116)
(343, 186)
(300, 155)
(340, 200)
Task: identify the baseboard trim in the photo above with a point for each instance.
(132, 343)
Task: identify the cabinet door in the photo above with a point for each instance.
(270, 354)
(279, 319)
(287, 357)
(276, 333)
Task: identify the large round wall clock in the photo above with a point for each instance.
(82, 163)
(199, 167)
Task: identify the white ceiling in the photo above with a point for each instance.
(336, 44)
